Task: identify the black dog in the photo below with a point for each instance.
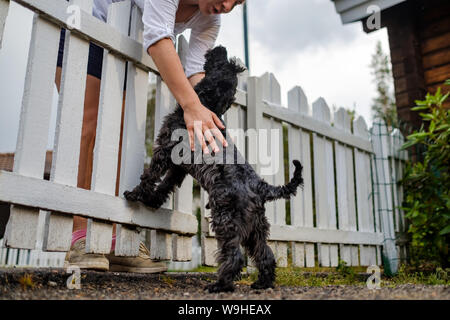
(236, 193)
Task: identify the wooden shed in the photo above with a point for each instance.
(419, 39)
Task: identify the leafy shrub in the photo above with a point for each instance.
(427, 184)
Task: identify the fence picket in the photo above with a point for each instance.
(29, 159)
(298, 254)
(344, 182)
(299, 148)
(181, 248)
(133, 139)
(324, 183)
(164, 104)
(183, 196)
(254, 119)
(161, 245)
(58, 227)
(106, 151)
(364, 192)
(275, 211)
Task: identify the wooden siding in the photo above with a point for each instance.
(434, 35)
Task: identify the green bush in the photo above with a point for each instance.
(427, 184)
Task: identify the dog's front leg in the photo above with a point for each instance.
(158, 167)
(174, 177)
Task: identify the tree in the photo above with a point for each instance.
(384, 104)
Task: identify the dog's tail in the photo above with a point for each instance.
(277, 192)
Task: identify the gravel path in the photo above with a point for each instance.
(51, 284)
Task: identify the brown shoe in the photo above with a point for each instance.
(140, 264)
(77, 257)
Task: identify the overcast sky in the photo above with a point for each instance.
(302, 42)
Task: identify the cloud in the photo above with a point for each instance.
(304, 43)
(290, 26)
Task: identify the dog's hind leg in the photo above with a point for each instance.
(260, 252)
(229, 257)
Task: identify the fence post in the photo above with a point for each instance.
(4, 8)
(397, 163)
(383, 194)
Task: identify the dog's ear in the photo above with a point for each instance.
(236, 66)
(215, 57)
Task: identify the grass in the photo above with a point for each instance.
(343, 275)
(310, 277)
(27, 282)
(410, 276)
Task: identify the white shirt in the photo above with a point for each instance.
(158, 17)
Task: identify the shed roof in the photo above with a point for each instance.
(355, 10)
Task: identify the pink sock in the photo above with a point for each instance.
(80, 234)
(77, 235)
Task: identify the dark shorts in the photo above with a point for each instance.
(95, 61)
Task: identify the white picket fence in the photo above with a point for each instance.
(338, 214)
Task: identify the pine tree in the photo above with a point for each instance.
(383, 105)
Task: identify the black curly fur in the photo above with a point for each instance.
(236, 193)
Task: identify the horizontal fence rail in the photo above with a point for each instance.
(347, 211)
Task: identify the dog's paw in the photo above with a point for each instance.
(153, 205)
(152, 201)
(131, 196)
(218, 287)
(261, 285)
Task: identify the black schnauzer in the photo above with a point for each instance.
(236, 193)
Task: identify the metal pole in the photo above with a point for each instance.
(247, 60)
